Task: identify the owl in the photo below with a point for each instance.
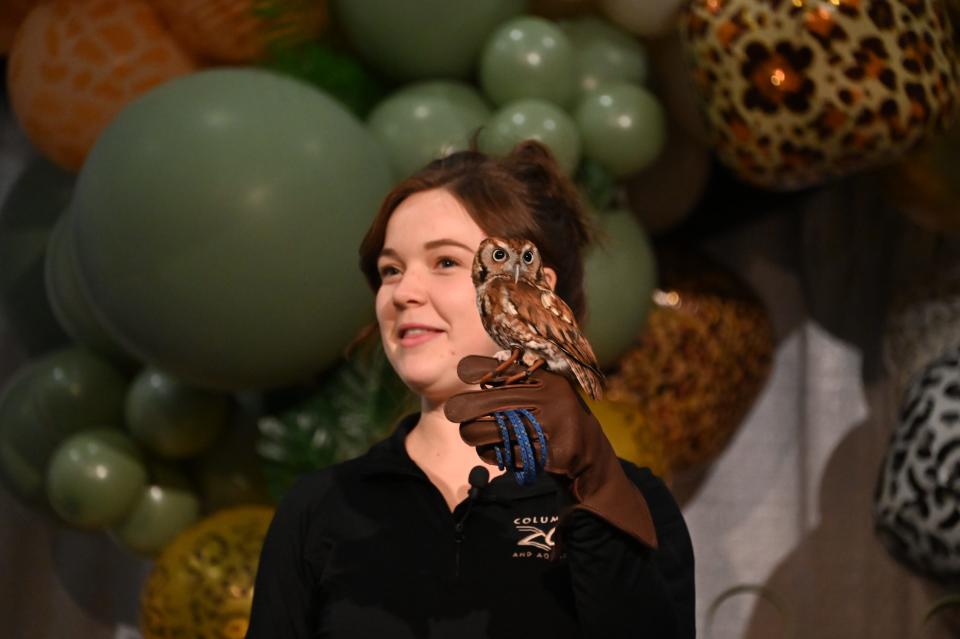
(526, 318)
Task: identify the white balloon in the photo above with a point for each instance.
(643, 17)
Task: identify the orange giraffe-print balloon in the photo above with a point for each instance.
(239, 30)
(74, 64)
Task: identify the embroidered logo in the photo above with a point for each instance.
(535, 532)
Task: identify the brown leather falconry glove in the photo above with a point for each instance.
(579, 455)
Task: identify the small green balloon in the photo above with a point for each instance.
(61, 394)
(604, 54)
(528, 58)
(422, 39)
(170, 418)
(69, 300)
(95, 478)
(26, 219)
(167, 506)
(461, 95)
(25, 444)
(416, 127)
(622, 126)
(217, 220)
(619, 278)
(533, 120)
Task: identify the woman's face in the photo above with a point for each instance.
(427, 304)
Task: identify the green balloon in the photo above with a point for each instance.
(217, 224)
(417, 125)
(604, 54)
(622, 126)
(167, 506)
(26, 219)
(95, 478)
(69, 300)
(62, 394)
(171, 419)
(619, 277)
(422, 39)
(533, 120)
(528, 58)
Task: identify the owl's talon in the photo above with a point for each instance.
(525, 374)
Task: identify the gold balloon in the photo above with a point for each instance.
(632, 436)
(202, 583)
(802, 91)
(700, 362)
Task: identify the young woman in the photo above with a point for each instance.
(396, 543)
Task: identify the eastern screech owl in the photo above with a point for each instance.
(524, 316)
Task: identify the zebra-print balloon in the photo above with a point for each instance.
(917, 501)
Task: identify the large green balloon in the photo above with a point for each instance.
(217, 225)
(528, 58)
(619, 277)
(95, 478)
(172, 419)
(68, 298)
(622, 126)
(26, 219)
(424, 122)
(533, 120)
(47, 401)
(167, 506)
(425, 38)
(603, 54)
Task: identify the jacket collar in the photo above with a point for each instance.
(390, 458)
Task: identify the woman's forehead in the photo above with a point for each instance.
(429, 216)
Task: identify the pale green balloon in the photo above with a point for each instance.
(417, 126)
(171, 419)
(528, 57)
(95, 478)
(422, 39)
(217, 223)
(619, 278)
(27, 217)
(464, 96)
(167, 506)
(622, 127)
(533, 120)
(604, 54)
(61, 394)
(69, 300)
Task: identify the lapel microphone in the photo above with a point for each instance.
(479, 477)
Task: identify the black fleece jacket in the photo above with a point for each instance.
(369, 548)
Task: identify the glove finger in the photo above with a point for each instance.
(480, 432)
(472, 404)
(472, 368)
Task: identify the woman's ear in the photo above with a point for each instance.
(551, 276)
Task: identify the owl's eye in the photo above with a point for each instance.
(499, 255)
(528, 257)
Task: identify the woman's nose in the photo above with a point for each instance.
(410, 289)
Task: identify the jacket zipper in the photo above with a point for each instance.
(458, 540)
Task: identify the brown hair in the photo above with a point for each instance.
(522, 195)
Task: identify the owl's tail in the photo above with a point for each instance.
(590, 379)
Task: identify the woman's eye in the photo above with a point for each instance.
(387, 271)
(446, 262)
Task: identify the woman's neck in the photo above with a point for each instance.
(435, 445)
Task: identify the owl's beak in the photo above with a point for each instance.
(516, 272)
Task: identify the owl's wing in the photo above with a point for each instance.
(551, 318)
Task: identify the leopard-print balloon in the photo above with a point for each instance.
(917, 501)
(800, 91)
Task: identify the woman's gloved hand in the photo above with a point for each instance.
(579, 455)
